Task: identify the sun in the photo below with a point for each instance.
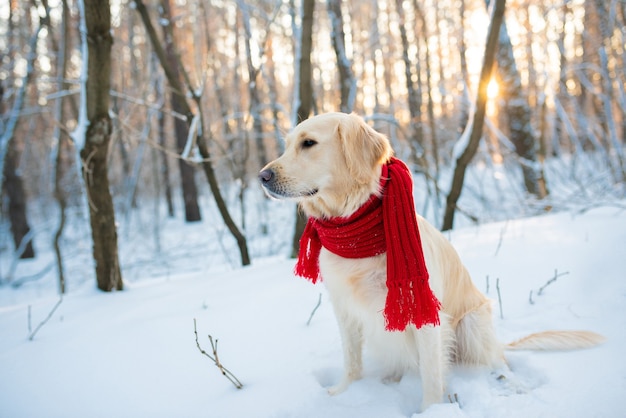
(493, 89)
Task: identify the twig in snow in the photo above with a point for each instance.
(502, 231)
(549, 282)
(319, 302)
(227, 373)
(455, 400)
(42, 323)
(552, 280)
(487, 289)
(499, 297)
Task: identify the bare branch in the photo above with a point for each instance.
(502, 232)
(42, 323)
(227, 373)
(549, 282)
(552, 280)
(319, 302)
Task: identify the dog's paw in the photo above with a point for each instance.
(392, 378)
(341, 387)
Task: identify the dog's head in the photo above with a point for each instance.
(331, 165)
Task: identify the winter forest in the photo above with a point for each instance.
(116, 116)
(132, 220)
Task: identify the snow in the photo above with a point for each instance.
(133, 353)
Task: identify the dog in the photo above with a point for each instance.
(331, 167)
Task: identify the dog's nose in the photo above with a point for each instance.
(266, 176)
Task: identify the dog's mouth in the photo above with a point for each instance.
(282, 194)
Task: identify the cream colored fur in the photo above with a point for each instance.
(331, 165)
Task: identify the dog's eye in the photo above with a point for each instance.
(308, 143)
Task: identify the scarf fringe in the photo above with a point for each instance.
(404, 307)
(309, 254)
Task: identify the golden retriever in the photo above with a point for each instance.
(331, 166)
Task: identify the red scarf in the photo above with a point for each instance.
(366, 233)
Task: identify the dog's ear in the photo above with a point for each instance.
(362, 146)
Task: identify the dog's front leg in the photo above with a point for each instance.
(432, 364)
(352, 343)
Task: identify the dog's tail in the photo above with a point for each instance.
(557, 340)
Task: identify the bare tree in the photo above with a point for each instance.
(10, 154)
(561, 88)
(181, 128)
(254, 74)
(465, 100)
(429, 88)
(471, 137)
(347, 82)
(305, 89)
(198, 132)
(607, 87)
(61, 141)
(97, 136)
(414, 94)
(517, 111)
(159, 85)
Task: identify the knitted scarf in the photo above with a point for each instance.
(386, 224)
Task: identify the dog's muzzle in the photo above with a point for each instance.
(267, 177)
(276, 189)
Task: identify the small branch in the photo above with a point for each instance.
(227, 373)
(487, 287)
(42, 323)
(499, 297)
(502, 232)
(552, 280)
(548, 283)
(319, 302)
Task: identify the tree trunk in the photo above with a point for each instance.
(465, 100)
(165, 165)
(253, 89)
(414, 97)
(561, 88)
(517, 110)
(181, 126)
(59, 167)
(96, 146)
(430, 105)
(306, 98)
(347, 82)
(607, 89)
(469, 150)
(271, 87)
(14, 189)
(9, 161)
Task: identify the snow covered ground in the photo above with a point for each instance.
(133, 353)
